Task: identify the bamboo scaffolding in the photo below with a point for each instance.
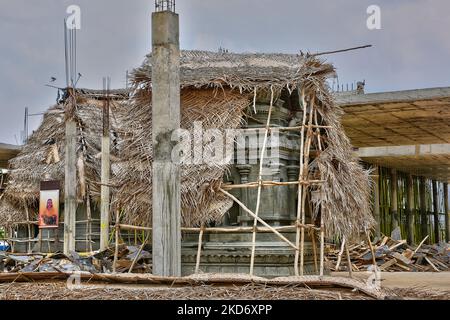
(226, 229)
(258, 199)
(271, 184)
(259, 219)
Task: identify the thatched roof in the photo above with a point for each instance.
(245, 71)
(200, 200)
(42, 158)
(217, 88)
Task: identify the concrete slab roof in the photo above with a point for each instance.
(394, 129)
(432, 161)
(397, 118)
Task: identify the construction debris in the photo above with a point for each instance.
(96, 262)
(392, 255)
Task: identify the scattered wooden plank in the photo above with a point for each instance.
(401, 258)
(388, 264)
(399, 244)
(421, 244)
(431, 264)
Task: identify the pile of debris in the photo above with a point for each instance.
(128, 257)
(392, 256)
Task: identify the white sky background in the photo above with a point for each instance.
(411, 51)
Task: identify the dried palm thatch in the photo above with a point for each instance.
(344, 198)
(200, 200)
(216, 88)
(42, 158)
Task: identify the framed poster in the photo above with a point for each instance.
(49, 205)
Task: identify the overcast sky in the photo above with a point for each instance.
(411, 50)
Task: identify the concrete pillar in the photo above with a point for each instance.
(165, 120)
(423, 209)
(70, 187)
(105, 174)
(447, 213)
(376, 202)
(410, 209)
(436, 212)
(394, 203)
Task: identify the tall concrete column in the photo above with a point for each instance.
(376, 202)
(436, 212)
(423, 209)
(394, 203)
(410, 209)
(70, 187)
(165, 120)
(447, 213)
(105, 172)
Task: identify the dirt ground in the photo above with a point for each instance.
(432, 280)
(398, 286)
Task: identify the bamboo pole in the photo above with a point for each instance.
(423, 208)
(305, 174)
(296, 128)
(447, 213)
(11, 232)
(199, 250)
(376, 202)
(436, 212)
(271, 184)
(322, 245)
(138, 253)
(340, 255)
(28, 226)
(410, 209)
(116, 250)
(349, 262)
(300, 178)
(314, 248)
(88, 222)
(227, 230)
(374, 259)
(394, 199)
(258, 199)
(259, 219)
(420, 244)
(40, 240)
